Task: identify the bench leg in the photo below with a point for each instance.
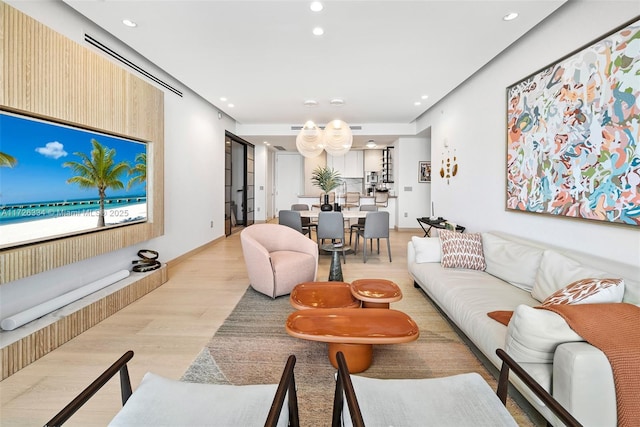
(358, 356)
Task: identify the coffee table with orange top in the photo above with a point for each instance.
(352, 331)
(376, 293)
(323, 295)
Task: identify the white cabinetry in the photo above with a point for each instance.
(351, 165)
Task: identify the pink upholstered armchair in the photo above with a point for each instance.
(278, 258)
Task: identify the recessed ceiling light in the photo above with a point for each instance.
(223, 99)
(310, 103)
(425, 96)
(231, 105)
(337, 101)
(371, 144)
(266, 143)
(317, 31)
(316, 6)
(129, 23)
(510, 17)
(417, 103)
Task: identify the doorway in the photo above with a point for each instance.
(288, 180)
(239, 185)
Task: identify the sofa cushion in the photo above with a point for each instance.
(427, 249)
(533, 334)
(457, 400)
(462, 250)
(557, 271)
(163, 401)
(511, 261)
(588, 291)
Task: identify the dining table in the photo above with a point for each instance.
(347, 214)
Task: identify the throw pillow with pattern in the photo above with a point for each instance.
(588, 291)
(462, 250)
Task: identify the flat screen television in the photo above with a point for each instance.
(58, 180)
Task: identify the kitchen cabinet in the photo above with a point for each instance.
(351, 165)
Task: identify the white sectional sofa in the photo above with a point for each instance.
(520, 274)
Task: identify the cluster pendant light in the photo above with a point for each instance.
(336, 139)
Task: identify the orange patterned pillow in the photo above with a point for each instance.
(462, 250)
(588, 291)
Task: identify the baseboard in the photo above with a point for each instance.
(171, 264)
(30, 342)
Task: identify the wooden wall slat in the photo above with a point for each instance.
(49, 76)
(32, 347)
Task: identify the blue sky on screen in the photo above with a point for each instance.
(41, 148)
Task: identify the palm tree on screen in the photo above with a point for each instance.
(7, 160)
(139, 170)
(100, 171)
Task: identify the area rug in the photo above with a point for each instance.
(251, 347)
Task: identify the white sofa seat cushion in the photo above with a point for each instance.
(533, 334)
(511, 261)
(160, 401)
(459, 400)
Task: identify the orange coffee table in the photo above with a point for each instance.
(376, 293)
(323, 295)
(352, 331)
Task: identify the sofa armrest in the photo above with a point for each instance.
(411, 253)
(583, 384)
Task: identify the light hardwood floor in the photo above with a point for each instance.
(166, 329)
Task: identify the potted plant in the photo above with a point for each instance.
(327, 179)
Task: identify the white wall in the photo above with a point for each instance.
(194, 176)
(414, 197)
(472, 120)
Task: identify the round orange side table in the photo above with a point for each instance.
(375, 293)
(323, 295)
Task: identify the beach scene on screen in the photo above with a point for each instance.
(58, 180)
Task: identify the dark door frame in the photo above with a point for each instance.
(248, 186)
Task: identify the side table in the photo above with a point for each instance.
(375, 293)
(335, 269)
(437, 223)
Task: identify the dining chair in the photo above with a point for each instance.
(382, 198)
(332, 200)
(352, 199)
(306, 221)
(331, 226)
(360, 224)
(376, 226)
(294, 220)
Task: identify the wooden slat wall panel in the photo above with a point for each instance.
(30, 348)
(47, 75)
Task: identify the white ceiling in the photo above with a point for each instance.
(379, 56)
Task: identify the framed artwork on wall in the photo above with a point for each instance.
(573, 130)
(424, 171)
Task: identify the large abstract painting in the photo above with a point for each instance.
(572, 133)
